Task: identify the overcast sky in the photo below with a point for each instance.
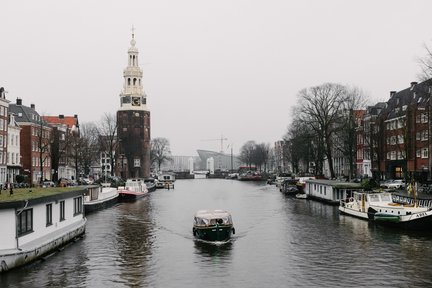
(211, 68)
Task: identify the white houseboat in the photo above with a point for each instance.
(38, 225)
(329, 191)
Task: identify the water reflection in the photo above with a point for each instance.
(135, 239)
(220, 250)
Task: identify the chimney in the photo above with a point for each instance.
(19, 101)
(392, 93)
(413, 84)
(32, 106)
(61, 116)
(76, 116)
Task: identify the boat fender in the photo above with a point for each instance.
(351, 199)
(233, 230)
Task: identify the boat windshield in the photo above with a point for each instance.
(212, 221)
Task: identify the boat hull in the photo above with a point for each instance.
(416, 221)
(213, 233)
(37, 249)
(130, 197)
(93, 206)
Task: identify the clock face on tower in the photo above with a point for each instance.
(136, 101)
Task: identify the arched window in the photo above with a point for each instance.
(134, 81)
(128, 81)
(134, 60)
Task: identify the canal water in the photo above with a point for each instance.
(280, 241)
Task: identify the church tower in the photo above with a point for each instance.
(133, 121)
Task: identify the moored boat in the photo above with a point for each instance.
(301, 196)
(100, 197)
(133, 190)
(213, 225)
(151, 184)
(380, 208)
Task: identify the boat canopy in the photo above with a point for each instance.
(212, 217)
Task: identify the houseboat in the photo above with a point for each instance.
(36, 222)
(213, 225)
(329, 191)
(100, 197)
(133, 190)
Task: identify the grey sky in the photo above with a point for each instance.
(231, 67)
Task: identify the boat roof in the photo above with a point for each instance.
(212, 214)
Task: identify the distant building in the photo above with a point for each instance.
(133, 121)
(223, 162)
(180, 163)
(65, 130)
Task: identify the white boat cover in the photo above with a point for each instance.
(209, 217)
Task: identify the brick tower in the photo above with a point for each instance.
(133, 121)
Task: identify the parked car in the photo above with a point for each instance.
(48, 184)
(393, 184)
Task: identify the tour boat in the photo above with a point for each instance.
(380, 208)
(133, 190)
(213, 225)
(100, 197)
(35, 223)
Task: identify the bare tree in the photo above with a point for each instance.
(247, 153)
(84, 148)
(107, 131)
(354, 101)
(321, 108)
(160, 151)
(299, 147)
(426, 64)
(261, 155)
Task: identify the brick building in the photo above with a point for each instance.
(35, 138)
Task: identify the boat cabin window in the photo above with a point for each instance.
(374, 198)
(386, 197)
(25, 222)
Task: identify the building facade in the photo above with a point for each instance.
(4, 107)
(14, 154)
(133, 122)
(35, 142)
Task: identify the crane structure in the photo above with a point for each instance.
(221, 139)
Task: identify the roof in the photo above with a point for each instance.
(417, 93)
(24, 114)
(212, 214)
(335, 183)
(70, 121)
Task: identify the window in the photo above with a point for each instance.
(424, 135)
(425, 153)
(25, 222)
(49, 214)
(400, 139)
(137, 163)
(78, 205)
(62, 210)
(424, 118)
